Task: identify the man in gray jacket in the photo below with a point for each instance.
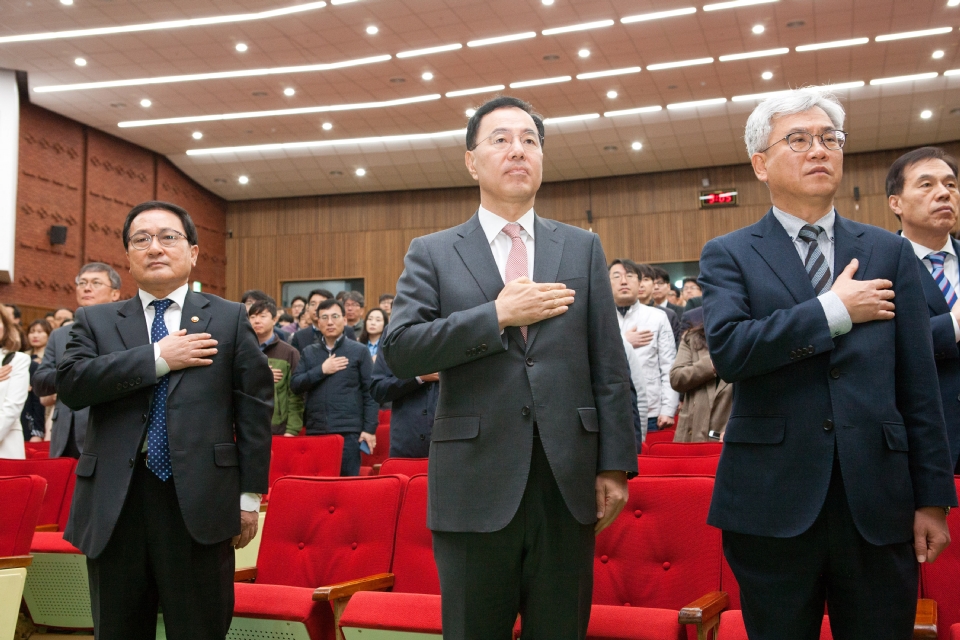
(532, 441)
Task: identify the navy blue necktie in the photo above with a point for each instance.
(158, 449)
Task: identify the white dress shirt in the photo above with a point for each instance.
(656, 357)
(500, 243)
(172, 318)
(838, 318)
(951, 269)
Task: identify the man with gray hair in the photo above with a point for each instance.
(97, 283)
(835, 476)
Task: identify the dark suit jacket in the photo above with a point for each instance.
(570, 378)
(218, 417)
(947, 355)
(799, 394)
(412, 413)
(45, 383)
(303, 338)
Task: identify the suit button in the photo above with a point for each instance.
(424, 412)
(119, 386)
(138, 381)
(810, 348)
(793, 355)
(130, 461)
(525, 411)
(423, 437)
(483, 348)
(143, 418)
(529, 362)
(835, 373)
(828, 425)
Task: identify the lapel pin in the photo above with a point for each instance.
(194, 319)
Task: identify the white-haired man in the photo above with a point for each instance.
(835, 474)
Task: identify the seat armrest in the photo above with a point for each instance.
(375, 470)
(704, 608)
(332, 592)
(20, 562)
(245, 574)
(925, 624)
(48, 527)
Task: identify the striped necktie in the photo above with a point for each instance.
(815, 264)
(936, 261)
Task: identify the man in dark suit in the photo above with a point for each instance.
(835, 472)
(97, 283)
(922, 192)
(178, 444)
(414, 406)
(532, 440)
(313, 335)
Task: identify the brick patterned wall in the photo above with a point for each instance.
(87, 180)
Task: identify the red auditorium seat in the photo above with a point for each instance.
(37, 449)
(685, 448)
(644, 449)
(370, 465)
(60, 477)
(311, 456)
(321, 531)
(665, 435)
(22, 500)
(940, 581)
(955, 632)
(404, 466)
(678, 465)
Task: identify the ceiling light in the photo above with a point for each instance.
(910, 78)
(578, 27)
(926, 114)
(630, 112)
(243, 179)
(241, 47)
(217, 75)
(326, 126)
(336, 2)
(547, 2)
(609, 72)
(145, 102)
(470, 92)
(953, 3)
(534, 83)
(657, 15)
(584, 53)
(636, 146)
(833, 45)
(66, 2)
(681, 63)
(429, 50)
(197, 135)
(937, 54)
(372, 30)
(361, 172)
(952, 72)
(169, 24)
(754, 54)
(611, 94)
(770, 94)
(696, 103)
(497, 40)
(283, 146)
(766, 75)
(80, 62)
(470, 112)
(734, 4)
(427, 75)
(561, 120)
(289, 91)
(279, 112)
(913, 34)
(758, 29)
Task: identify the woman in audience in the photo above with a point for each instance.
(707, 398)
(14, 385)
(373, 327)
(33, 419)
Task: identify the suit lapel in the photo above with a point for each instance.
(848, 244)
(132, 323)
(548, 250)
(475, 252)
(194, 306)
(777, 250)
(935, 299)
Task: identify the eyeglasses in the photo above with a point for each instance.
(167, 238)
(93, 284)
(628, 276)
(801, 141)
(503, 140)
(334, 317)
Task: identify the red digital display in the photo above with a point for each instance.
(718, 198)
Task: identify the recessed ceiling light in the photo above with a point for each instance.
(766, 75)
(197, 135)
(470, 92)
(576, 118)
(578, 27)
(361, 172)
(498, 39)
(636, 146)
(681, 63)
(547, 2)
(758, 29)
(80, 62)
(66, 2)
(734, 4)
(953, 3)
(289, 91)
(913, 34)
(372, 30)
(630, 112)
(611, 94)
(771, 94)
(322, 144)
(754, 54)
(832, 45)
(937, 54)
(910, 78)
(326, 126)
(534, 83)
(608, 72)
(241, 47)
(145, 102)
(427, 75)
(952, 72)
(657, 15)
(470, 112)
(926, 114)
(429, 50)
(243, 179)
(696, 103)
(584, 53)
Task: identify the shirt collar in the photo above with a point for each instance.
(793, 224)
(493, 224)
(922, 251)
(273, 338)
(323, 341)
(177, 296)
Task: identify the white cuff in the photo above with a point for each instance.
(838, 319)
(250, 502)
(162, 367)
(420, 381)
(956, 327)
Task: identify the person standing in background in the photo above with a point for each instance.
(414, 408)
(283, 360)
(13, 388)
(33, 419)
(373, 327)
(706, 398)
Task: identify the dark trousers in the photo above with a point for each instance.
(350, 462)
(151, 559)
(870, 591)
(540, 566)
(652, 424)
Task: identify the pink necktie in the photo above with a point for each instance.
(516, 260)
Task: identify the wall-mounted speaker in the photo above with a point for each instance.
(58, 234)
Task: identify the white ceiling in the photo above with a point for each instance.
(878, 116)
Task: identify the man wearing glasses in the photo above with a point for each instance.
(178, 444)
(312, 334)
(97, 283)
(835, 473)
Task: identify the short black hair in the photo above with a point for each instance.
(189, 228)
(898, 169)
(329, 303)
(628, 265)
(659, 273)
(500, 102)
(256, 295)
(259, 306)
(675, 289)
(300, 298)
(646, 271)
(689, 279)
(356, 296)
(50, 314)
(15, 312)
(285, 317)
(387, 296)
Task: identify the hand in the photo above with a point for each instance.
(181, 351)
(664, 421)
(435, 377)
(332, 365)
(277, 374)
(956, 312)
(36, 439)
(249, 521)
(612, 496)
(370, 439)
(524, 302)
(5, 371)
(638, 338)
(48, 401)
(865, 300)
(930, 533)
(289, 435)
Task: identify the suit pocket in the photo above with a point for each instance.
(755, 429)
(225, 455)
(455, 428)
(895, 434)
(86, 464)
(589, 420)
